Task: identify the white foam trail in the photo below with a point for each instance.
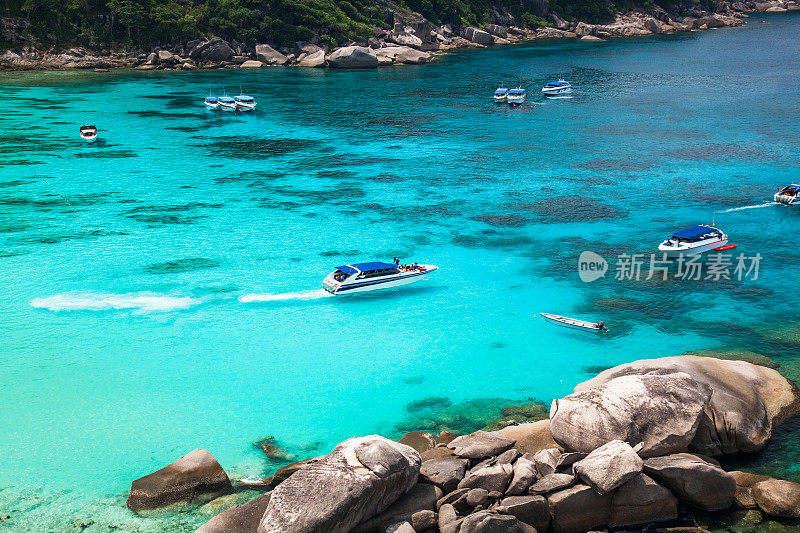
(299, 295)
(92, 301)
(732, 209)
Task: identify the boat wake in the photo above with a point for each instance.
(93, 301)
(731, 210)
(287, 296)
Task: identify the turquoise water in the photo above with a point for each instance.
(125, 344)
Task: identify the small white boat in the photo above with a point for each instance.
(516, 96)
(693, 241)
(89, 133)
(787, 195)
(211, 102)
(575, 323)
(362, 277)
(245, 103)
(557, 87)
(226, 103)
(500, 94)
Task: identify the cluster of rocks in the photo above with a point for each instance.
(410, 40)
(628, 449)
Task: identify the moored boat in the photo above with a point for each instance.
(245, 103)
(574, 323)
(693, 241)
(516, 96)
(787, 195)
(211, 102)
(89, 133)
(226, 103)
(557, 87)
(500, 94)
(362, 277)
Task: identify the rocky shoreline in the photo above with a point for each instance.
(637, 448)
(410, 40)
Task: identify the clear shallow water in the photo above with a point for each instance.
(125, 343)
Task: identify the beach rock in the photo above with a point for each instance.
(166, 57)
(307, 47)
(531, 510)
(743, 498)
(569, 459)
(404, 39)
(523, 476)
(445, 473)
(748, 401)
(313, 60)
(439, 452)
(653, 25)
(777, 497)
(421, 497)
(353, 57)
(554, 33)
(662, 412)
(642, 501)
(489, 478)
(152, 59)
(496, 30)
(530, 437)
(423, 520)
(269, 56)
(591, 38)
(582, 29)
(609, 466)
(195, 476)
(419, 440)
(239, 518)
(405, 55)
(578, 509)
(447, 515)
(445, 438)
(251, 63)
(478, 36)
(481, 444)
(558, 22)
(451, 497)
(489, 522)
(693, 480)
(476, 497)
(215, 50)
(552, 483)
(546, 460)
(360, 478)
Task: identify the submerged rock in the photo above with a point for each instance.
(195, 476)
(360, 478)
(238, 519)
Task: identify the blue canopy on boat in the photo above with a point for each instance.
(243, 98)
(557, 83)
(365, 267)
(694, 232)
(211, 98)
(516, 91)
(226, 99)
(501, 90)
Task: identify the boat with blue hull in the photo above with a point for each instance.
(362, 277)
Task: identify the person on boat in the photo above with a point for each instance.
(600, 325)
(396, 261)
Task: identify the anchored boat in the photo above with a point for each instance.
(245, 103)
(500, 94)
(89, 133)
(557, 87)
(787, 195)
(362, 277)
(211, 102)
(574, 323)
(693, 241)
(226, 103)
(516, 96)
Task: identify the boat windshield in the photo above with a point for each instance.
(244, 99)
(501, 91)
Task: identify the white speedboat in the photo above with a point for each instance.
(226, 103)
(693, 241)
(787, 195)
(89, 133)
(575, 323)
(557, 87)
(361, 277)
(245, 103)
(211, 102)
(516, 96)
(500, 94)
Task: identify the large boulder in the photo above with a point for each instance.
(747, 401)
(578, 509)
(251, 63)
(530, 437)
(490, 478)
(353, 57)
(693, 480)
(778, 498)
(497, 31)
(239, 518)
(360, 478)
(642, 501)
(662, 412)
(214, 50)
(743, 499)
(196, 476)
(419, 440)
(609, 466)
(481, 444)
(445, 473)
(523, 476)
(165, 57)
(403, 54)
(489, 522)
(405, 39)
(421, 497)
(269, 56)
(478, 36)
(313, 60)
(547, 461)
(531, 510)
